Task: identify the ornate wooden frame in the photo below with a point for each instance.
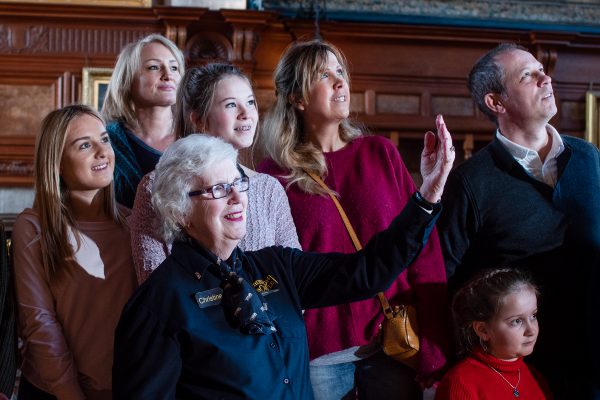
(592, 117)
(93, 86)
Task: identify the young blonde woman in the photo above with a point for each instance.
(308, 130)
(138, 106)
(72, 261)
(216, 99)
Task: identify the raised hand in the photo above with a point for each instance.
(436, 161)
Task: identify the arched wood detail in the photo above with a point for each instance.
(206, 47)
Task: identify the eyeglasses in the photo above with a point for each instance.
(221, 190)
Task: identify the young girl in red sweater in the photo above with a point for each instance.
(496, 325)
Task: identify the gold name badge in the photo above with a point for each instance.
(209, 298)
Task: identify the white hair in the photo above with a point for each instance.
(185, 160)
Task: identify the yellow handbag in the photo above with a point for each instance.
(399, 333)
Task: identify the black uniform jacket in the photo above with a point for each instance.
(173, 341)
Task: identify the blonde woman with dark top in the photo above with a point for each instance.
(138, 107)
(72, 262)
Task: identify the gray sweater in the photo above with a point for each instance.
(270, 223)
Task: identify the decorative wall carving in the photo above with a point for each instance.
(402, 75)
(19, 168)
(20, 39)
(4, 39)
(205, 47)
(547, 56)
(16, 160)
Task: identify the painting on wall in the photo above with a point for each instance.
(592, 117)
(94, 82)
(117, 3)
(211, 4)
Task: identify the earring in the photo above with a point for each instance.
(483, 346)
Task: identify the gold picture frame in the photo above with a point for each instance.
(94, 82)
(592, 117)
(106, 3)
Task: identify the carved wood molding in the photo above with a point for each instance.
(247, 27)
(27, 39)
(58, 29)
(77, 14)
(16, 168)
(16, 160)
(205, 47)
(547, 56)
(20, 38)
(111, 3)
(177, 20)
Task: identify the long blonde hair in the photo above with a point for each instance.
(51, 194)
(282, 131)
(118, 101)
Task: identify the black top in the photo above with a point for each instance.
(146, 156)
(173, 340)
(496, 215)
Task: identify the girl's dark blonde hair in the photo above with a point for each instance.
(282, 132)
(51, 193)
(196, 94)
(481, 298)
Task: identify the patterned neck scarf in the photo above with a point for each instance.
(244, 308)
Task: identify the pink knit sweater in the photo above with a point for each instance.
(269, 223)
(374, 186)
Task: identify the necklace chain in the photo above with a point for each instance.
(515, 387)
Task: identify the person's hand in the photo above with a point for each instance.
(436, 162)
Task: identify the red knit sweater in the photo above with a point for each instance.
(473, 378)
(374, 186)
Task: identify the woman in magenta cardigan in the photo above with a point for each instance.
(308, 129)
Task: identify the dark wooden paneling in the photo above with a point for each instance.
(402, 75)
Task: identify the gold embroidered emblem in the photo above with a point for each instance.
(264, 285)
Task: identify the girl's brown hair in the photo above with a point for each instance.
(481, 298)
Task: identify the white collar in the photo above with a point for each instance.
(524, 154)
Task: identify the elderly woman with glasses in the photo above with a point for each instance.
(213, 321)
